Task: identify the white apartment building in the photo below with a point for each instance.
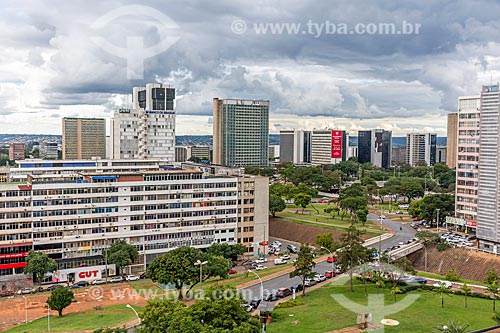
(421, 147)
(295, 146)
(147, 130)
(467, 155)
(329, 146)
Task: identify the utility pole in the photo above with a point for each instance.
(437, 222)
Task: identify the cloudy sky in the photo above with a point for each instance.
(81, 58)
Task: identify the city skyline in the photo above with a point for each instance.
(314, 79)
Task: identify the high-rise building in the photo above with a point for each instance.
(375, 147)
(488, 209)
(16, 151)
(181, 154)
(295, 146)
(420, 148)
(201, 152)
(49, 150)
(451, 140)
(329, 146)
(441, 152)
(83, 138)
(467, 167)
(147, 130)
(240, 132)
(399, 154)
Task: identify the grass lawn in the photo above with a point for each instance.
(88, 320)
(443, 277)
(365, 231)
(144, 285)
(321, 313)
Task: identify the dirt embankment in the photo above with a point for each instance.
(300, 233)
(469, 264)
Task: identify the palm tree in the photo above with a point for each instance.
(395, 290)
(452, 327)
(379, 281)
(466, 291)
(442, 290)
(493, 290)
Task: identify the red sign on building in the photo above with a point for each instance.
(13, 255)
(336, 144)
(471, 223)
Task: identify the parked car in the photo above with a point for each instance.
(319, 278)
(309, 282)
(416, 280)
(143, 276)
(260, 267)
(232, 271)
(297, 288)
(254, 303)
(247, 263)
(132, 278)
(329, 274)
(331, 259)
(75, 286)
(285, 257)
(278, 243)
(247, 307)
(283, 292)
(261, 260)
(116, 279)
(447, 284)
(271, 297)
(53, 287)
(292, 248)
(99, 281)
(279, 261)
(26, 290)
(7, 293)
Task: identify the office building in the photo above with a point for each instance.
(83, 138)
(16, 151)
(49, 150)
(295, 146)
(451, 140)
(399, 154)
(199, 152)
(240, 132)
(375, 147)
(353, 152)
(421, 149)
(181, 154)
(488, 232)
(467, 167)
(441, 152)
(147, 130)
(329, 146)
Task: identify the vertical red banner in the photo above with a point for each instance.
(336, 144)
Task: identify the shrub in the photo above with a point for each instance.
(452, 275)
(289, 304)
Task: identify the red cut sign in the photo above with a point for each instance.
(336, 144)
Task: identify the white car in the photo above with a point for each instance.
(285, 257)
(277, 243)
(319, 278)
(260, 268)
(447, 284)
(132, 278)
(260, 261)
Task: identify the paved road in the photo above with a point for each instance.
(402, 235)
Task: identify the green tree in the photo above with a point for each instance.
(443, 291)
(216, 266)
(466, 291)
(38, 264)
(111, 330)
(412, 188)
(326, 240)
(304, 265)
(176, 267)
(362, 215)
(276, 204)
(121, 254)
(444, 202)
(491, 276)
(59, 299)
(226, 250)
(394, 291)
(452, 275)
(302, 200)
(492, 289)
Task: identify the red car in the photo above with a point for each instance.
(329, 274)
(232, 271)
(331, 259)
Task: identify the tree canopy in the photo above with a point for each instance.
(121, 254)
(59, 299)
(38, 264)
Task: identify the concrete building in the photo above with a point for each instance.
(16, 151)
(83, 138)
(240, 132)
(375, 147)
(441, 152)
(181, 154)
(49, 150)
(353, 152)
(201, 152)
(147, 130)
(329, 146)
(295, 146)
(451, 140)
(399, 154)
(467, 167)
(488, 228)
(420, 148)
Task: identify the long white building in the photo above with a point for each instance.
(421, 147)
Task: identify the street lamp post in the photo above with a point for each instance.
(331, 253)
(381, 228)
(200, 263)
(48, 318)
(437, 222)
(261, 284)
(136, 314)
(26, 308)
